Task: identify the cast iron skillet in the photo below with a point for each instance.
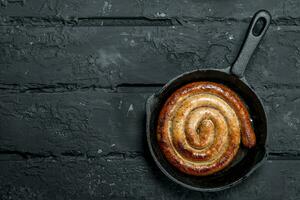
(247, 160)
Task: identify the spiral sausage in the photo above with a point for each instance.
(200, 127)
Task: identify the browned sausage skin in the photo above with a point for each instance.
(200, 127)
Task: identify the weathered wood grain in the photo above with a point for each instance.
(284, 11)
(75, 75)
(109, 56)
(119, 178)
(75, 123)
(88, 121)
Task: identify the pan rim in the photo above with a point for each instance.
(149, 115)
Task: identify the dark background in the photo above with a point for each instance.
(75, 74)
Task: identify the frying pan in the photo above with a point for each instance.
(247, 160)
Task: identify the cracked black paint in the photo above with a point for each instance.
(75, 75)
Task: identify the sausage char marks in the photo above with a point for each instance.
(200, 127)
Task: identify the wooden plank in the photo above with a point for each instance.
(118, 178)
(109, 56)
(236, 9)
(92, 121)
(75, 123)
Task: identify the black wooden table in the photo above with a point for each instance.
(75, 74)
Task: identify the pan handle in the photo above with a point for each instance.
(257, 29)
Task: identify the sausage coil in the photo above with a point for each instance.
(200, 127)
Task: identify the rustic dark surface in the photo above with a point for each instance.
(74, 77)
